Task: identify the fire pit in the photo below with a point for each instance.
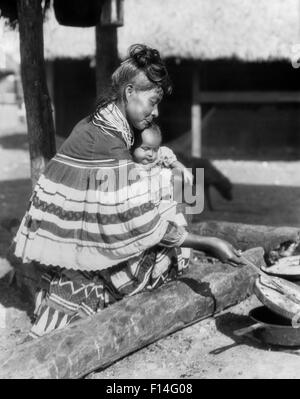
(277, 322)
(271, 328)
(274, 329)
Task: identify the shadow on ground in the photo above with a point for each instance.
(14, 196)
(16, 141)
(19, 141)
(229, 322)
(13, 297)
(272, 205)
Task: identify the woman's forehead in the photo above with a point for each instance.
(141, 82)
(155, 93)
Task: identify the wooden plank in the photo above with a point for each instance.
(196, 116)
(248, 97)
(132, 323)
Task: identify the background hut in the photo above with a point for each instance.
(11, 111)
(217, 47)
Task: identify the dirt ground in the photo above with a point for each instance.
(265, 192)
(208, 349)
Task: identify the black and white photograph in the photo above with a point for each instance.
(149, 192)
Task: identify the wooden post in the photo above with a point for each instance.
(37, 101)
(112, 13)
(106, 56)
(196, 116)
(50, 84)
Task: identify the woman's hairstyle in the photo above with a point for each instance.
(141, 59)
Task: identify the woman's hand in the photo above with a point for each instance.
(221, 249)
(224, 251)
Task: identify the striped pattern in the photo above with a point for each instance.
(76, 222)
(101, 227)
(73, 295)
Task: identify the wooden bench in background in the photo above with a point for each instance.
(214, 98)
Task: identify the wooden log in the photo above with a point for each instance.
(276, 241)
(132, 323)
(248, 97)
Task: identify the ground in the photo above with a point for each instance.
(265, 192)
(208, 349)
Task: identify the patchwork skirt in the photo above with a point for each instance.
(101, 237)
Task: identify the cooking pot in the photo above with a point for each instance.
(280, 296)
(287, 268)
(271, 328)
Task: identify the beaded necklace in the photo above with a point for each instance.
(110, 118)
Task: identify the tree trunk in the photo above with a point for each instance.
(133, 322)
(37, 101)
(106, 56)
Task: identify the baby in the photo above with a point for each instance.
(158, 161)
(148, 152)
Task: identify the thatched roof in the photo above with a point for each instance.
(209, 29)
(192, 29)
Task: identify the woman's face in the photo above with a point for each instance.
(142, 106)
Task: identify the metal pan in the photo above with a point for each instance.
(287, 268)
(279, 295)
(271, 328)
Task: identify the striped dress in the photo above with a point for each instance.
(92, 221)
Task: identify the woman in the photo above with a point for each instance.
(96, 227)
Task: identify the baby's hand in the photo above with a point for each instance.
(188, 176)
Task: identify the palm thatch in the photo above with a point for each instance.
(68, 42)
(192, 29)
(210, 29)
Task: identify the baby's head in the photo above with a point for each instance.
(147, 144)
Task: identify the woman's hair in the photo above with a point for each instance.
(141, 59)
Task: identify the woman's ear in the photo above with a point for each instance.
(128, 91)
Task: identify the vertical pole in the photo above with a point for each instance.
(196, 116)
(40, 126)
(50, 84)
(106, 56)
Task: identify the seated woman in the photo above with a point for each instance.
(98, 232)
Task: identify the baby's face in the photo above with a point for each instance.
(146, 153)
